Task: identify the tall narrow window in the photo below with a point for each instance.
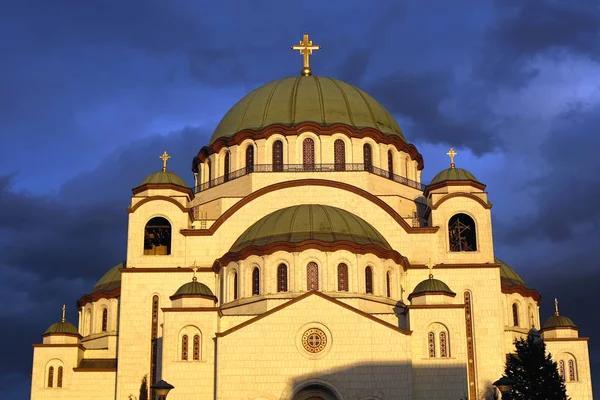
(470, 345)
(572, 372)
(342, 277)
(368, 157)
(157, 237)
(390, 165)
(561, 369)
(235, 286)
(184, 347)
(443, 344)
(339, 155)
(104, 320)
(278, 156)
(255, 282)
(226, 167)
(154, 339)
(431, 344)
(282, 284)
(515, 314)
(196, 354)
(59, 377)
(308, 154)
(209, 170)
(461, 232)
(388, 284)
(249, 159)
(406, 167)
(369, 280)
(312, 276)
(51, 377)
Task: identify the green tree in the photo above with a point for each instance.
(144, 388)
(534, 371)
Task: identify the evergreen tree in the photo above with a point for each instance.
(144, 388)
(536, 374)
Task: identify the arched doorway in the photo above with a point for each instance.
(315, 392)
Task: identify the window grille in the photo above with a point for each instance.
(282, 284)
(312, 276)
(342, 277)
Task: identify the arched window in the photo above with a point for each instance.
(157, 237)
(461, 232)
(443, 344)
(51, 377)
(312, 276)
(59, 377)
(572, 371)
(235, 286)
(367, 157)
(390, 165)
(308, 154)
(104, 320)
(184, 347)
(209, 170)
(255, 282)
(561, 369)
(406, 166)
(278, 156)
(339, 155)
(342, 277)
(388, 284)
(369, 280)
(226, 167)
(249, 158)
(515, 314)
(196, 354)
(282, 284)
(431, 344)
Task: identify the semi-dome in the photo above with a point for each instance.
(558, 321)
(164, 177)
(310, 222)
(297, 99)
(193, 288)
(431, 286)
(453, 174)
(62, 327)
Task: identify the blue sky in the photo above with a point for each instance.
(92, 92)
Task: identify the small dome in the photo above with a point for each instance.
(110, 280)
(509, 276)
(194, 288)
(558, 321)
(453, 174)
(310, 222)
(431, 286)
(298, 99)
(61, 328)
(163, 177)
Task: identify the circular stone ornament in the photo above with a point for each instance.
(314, 340)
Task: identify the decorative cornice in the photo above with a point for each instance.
(163, 269)
(75, 335)
(523, 291)
(59, 345)
(454, 266)
(145, 200)
(159, 186)
(461, 194)
(193, 296)
(440, 293)
(434, 306)
(193, 309)
(307, 182)
(94, 369)
(302, 297)
(95, 296)
(577, 339)
(474, 184)
(302, 127)
(310, 244)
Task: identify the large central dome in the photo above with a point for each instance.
(297, 99)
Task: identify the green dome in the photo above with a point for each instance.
(508, 276)
(431, 285)
(558, 321)
(62, 327)
(164, 177)
(453, 174)
(310, 222)
(110, 280)
(194, 288)
(297, 99)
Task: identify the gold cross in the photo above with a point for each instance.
(430, 266)
(194, 268)
(64, 310)
(306, 48)
(556, 306)
(451, 153)
(164, 157)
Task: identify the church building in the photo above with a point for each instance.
(308, 261)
